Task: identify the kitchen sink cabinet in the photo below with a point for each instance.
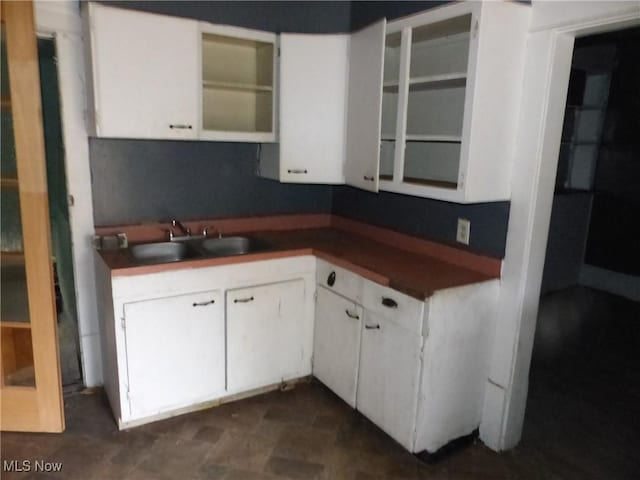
(183, 340)
(158, 332)
(336, 349)
(141, 74)
(269, 340)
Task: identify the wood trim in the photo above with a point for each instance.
(26, 410)
(5, 103)
(473, 261)
(11, 324)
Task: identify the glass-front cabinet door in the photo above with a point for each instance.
(390, 99)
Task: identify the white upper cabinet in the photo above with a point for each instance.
(364, 107)
(450, 95)
(161, 77)
(237, 84)
(143, 71)
(313, 98)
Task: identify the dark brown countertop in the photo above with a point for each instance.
(415, 274)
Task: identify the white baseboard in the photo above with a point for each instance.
(621, 284)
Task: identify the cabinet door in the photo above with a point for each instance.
(336, 344)
(388, 377)
(175, 352)
(313, 89)
(145, 69)
(267, 335)
(366, 53)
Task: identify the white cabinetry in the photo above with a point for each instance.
(447, 106)
(160, 77)
(336, 349)
(159, 333)
(419, 367)
(142, 72)
(313, 97)
(170, 345)
(389, 377)
(268, 340)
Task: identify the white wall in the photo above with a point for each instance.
(61, 19)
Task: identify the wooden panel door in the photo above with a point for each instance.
(336, 343)
(388, 377)
(30, 379)
(145, 74)
(266, 335)
(175, 352)
(366, 56)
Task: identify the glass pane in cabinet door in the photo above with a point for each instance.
(17, 349)
(391, 79)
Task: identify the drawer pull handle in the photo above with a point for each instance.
(372, 327)
(297, 170)
(368, 178)
(181, 126)
(203, 304)
(331, 279)
(243, 300)
(352, 315)
(389, 302)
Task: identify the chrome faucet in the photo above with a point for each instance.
(177, 224)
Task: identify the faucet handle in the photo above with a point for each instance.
(205, 231)
(169, 232)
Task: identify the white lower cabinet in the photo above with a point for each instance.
(388, 380)
(336, 348)
(158, 333)
(267, 335)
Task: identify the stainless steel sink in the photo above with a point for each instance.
(160, 252)
(221, 247)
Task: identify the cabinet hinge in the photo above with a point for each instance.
(123, 323)
(315, 296)
(475, 29)
(278, 51)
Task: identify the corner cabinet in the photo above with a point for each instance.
(158, 77)
(433, 102)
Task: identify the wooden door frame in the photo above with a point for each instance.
(38, 408)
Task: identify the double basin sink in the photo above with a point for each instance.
(164, 252)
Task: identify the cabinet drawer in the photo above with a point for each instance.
(339, 280)
(405, 311)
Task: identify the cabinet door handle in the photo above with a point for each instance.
(331, 279)
(181, 126)
(352, 315)
(243, 300)
(372, 327)
(389, 302)
(297, 170)
(203, 304)
(368, 178)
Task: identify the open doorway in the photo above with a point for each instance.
(61, 244)
(585, 369)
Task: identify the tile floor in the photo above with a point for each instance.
(583, 422)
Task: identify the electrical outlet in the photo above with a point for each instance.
(464, 230)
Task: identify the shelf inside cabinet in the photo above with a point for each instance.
(434, 138)
(237, 86)
(445, 80)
